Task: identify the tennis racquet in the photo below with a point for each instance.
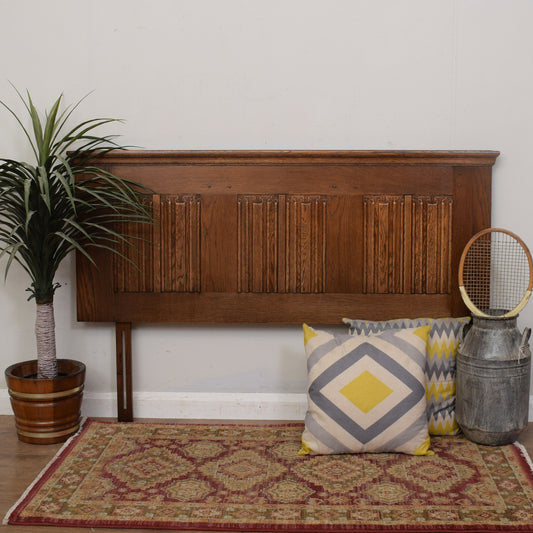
(495, 274)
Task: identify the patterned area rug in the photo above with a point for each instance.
(249, 477)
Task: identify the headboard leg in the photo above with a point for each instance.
(124, 374)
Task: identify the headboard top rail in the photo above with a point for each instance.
(304, 157)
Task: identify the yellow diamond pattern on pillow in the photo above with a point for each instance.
(441, 348)
(366, 391)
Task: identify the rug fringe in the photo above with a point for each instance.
(525, 455)
(5, 520)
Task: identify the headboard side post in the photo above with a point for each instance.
(124, 372)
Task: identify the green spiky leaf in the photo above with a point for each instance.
(62, 202)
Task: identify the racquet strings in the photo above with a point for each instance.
(496, 273)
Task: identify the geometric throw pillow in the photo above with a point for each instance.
(366, 393)
(442, 346)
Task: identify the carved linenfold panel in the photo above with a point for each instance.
(384, 247)
(134, 271)
(305, 224)
(167, 253)
(431, 249)
(180, 243)
(407, 244)
(281, 243)
(258, 246)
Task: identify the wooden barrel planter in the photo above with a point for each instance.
(46, 411)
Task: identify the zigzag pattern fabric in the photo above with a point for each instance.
(441, 349)
(366, 393)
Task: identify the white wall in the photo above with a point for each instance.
(264, 74)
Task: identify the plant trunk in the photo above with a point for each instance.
(46, 341)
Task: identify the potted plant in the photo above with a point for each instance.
(58, 204)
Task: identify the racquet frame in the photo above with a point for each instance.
(468, 302)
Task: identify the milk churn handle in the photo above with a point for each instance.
(462, 333)
(525, 340)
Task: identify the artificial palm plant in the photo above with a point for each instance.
(60, 203)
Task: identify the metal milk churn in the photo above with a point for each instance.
(492, 380)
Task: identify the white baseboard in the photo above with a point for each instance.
(201, 405)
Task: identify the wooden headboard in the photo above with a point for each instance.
(287, 237)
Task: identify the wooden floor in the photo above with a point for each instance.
(20, 463)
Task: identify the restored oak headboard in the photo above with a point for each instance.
(287, 237)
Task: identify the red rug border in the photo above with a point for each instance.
(12, 516)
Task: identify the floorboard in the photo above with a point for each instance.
(20, 463)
